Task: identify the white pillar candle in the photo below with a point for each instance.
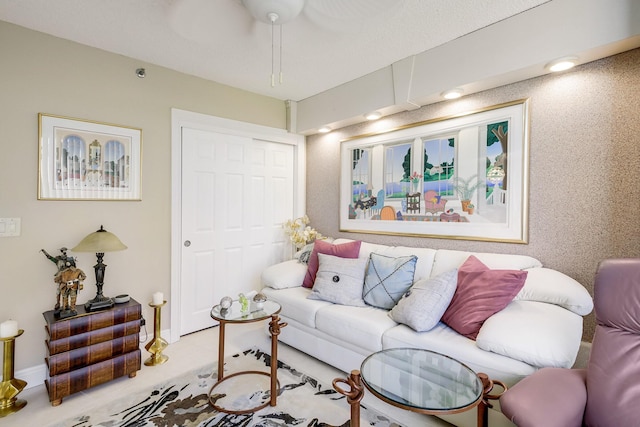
(8, 328)
(158, 298)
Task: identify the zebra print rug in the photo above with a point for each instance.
(184, 401)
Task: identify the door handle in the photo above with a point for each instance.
(187, 243)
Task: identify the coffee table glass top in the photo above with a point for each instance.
(234, 313)
(421, 380)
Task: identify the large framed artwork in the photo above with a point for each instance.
(85, 160)
(458, 177)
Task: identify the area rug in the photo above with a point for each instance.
(183, 401)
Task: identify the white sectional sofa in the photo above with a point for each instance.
(541, 326)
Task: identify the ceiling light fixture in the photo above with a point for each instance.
(324, 129)
(374, 115)
(562, 64)
(452, 93)
(274, 12)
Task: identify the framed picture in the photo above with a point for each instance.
(459, 177)
(85, 160)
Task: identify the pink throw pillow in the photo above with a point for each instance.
(345, 250)
(481, 293)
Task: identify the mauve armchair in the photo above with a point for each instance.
(607, 393)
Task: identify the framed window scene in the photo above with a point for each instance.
(459, 177)
(85, 160)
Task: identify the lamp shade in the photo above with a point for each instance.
(100, 241)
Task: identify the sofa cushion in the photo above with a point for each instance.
(345, 250)
(387, 279)
(365, 247)
(359, 326)
(481, 292)
(339, 280)
(425, 255)
(284, 275)
(537, 333)
(554, 287)
(446, 260)
(295, 304)
(423, 305)
(443, 339)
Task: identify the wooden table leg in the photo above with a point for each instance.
(483, 407)
(354, 395)
(221, 351)
(274, 329)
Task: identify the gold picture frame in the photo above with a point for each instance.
(469, 180)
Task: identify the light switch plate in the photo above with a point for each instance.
(9, 227)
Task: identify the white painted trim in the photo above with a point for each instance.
(181, 119)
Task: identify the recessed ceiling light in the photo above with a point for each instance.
(374, 115)
(324, 129)
(453, 93)
(562, 64)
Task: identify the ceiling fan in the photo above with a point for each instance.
(327, 14)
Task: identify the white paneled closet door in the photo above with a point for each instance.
(236, 193)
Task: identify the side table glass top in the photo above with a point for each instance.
(234, 313)
(421, 380)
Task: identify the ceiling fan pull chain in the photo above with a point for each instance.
(273, 77)
(281, 54)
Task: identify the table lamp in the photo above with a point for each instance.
(100, 241)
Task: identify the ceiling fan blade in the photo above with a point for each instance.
(349, 16)
(209, 22)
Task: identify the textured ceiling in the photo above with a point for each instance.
(332, 42)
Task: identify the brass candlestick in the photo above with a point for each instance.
(10, 387)
(158, 343)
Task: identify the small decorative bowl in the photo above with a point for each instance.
(259, 300)
(226, 302)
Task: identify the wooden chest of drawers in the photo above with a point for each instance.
(91, 348)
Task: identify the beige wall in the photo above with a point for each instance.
(584, 168)
(39, 73)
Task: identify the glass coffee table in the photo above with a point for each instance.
(420, 381)
(234, 315)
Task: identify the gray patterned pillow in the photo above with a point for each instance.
(339, 280)
(304, 253)
(388, 279)
(423, 305)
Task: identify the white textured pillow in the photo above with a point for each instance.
(554, 287)
(339, 280)
(423, 305)
(288, 274)
(536, 333)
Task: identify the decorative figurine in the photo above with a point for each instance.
(69, 280)
(244, 303)
(62, 261)
(69, 283)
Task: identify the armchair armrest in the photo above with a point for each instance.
(551, 397)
